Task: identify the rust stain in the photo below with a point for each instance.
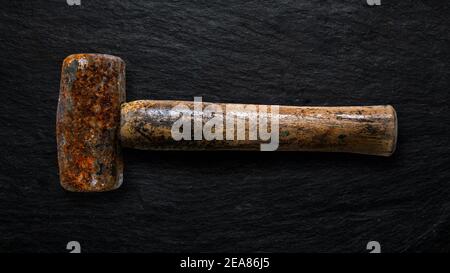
(92, 90)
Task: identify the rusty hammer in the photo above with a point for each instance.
(93, 122)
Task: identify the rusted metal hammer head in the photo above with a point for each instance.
(88, 120)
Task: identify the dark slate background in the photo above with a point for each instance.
(270, 52)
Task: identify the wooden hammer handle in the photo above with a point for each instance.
(148, 124)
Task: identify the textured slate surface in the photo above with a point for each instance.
(271, 52)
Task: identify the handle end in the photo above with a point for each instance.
(394, 133)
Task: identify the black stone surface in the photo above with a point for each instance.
(269, 52)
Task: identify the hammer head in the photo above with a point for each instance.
(88, 120)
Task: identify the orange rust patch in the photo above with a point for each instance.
(88, 118)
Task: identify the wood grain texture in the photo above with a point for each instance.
(263, 52)
(149, 125)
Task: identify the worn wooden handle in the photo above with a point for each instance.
(148, 125)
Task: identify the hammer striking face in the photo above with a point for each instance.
(93, 120)
(88, 119)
